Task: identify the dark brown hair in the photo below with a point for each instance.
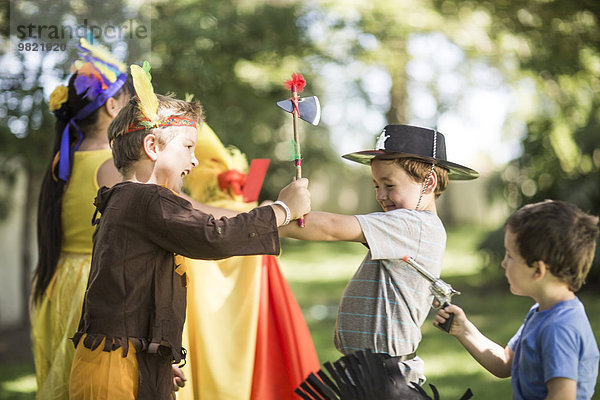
(127, 148)
(49, 223)
(559, 234)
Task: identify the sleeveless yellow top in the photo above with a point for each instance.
(78, 200)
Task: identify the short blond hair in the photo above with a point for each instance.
(127, 148)
(419, 170)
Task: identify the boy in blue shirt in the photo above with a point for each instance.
(554, 355)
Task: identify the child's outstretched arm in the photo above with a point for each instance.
(326, 227)
(216, 212)
(296, 198)
(486, 352)
(296, 194)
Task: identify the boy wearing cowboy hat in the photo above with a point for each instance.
(386, 302)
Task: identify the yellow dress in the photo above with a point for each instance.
(55, 317)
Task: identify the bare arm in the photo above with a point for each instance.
(108, 175)
(489, 354)
(561, 388)
(326, 227)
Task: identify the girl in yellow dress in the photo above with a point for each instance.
(82, 162)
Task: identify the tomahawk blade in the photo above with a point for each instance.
(309, 108)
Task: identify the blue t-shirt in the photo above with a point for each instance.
(554, 343)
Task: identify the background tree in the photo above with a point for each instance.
(552, 47)
(26, 80)
(26, 128)
(234, 57)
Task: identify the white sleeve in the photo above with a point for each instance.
(398, 233)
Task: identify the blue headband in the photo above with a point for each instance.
(64, 162)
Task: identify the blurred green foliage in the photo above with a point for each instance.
(234, 57)
(554, 47)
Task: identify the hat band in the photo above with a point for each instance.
(145, 123)
(426, 185)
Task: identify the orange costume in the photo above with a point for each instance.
(245, 333)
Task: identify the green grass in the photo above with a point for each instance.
(17, 382)
(318, 273)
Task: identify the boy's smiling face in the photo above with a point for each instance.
(176, 159)
(517, 272)
(394, 188)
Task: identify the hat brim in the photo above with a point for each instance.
(455, 171)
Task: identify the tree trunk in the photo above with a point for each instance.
(398, 111)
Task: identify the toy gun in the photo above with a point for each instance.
(442, 292)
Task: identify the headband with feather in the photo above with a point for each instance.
(148, 103)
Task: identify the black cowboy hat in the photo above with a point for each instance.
(406, 141)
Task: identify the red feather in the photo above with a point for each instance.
(297, 82)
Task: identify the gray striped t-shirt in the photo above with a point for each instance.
(386, 302)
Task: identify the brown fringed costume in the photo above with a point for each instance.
(136, 293)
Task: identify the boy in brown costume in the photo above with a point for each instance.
(136, 297)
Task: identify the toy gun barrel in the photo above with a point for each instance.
(441, 290)
(426, 274)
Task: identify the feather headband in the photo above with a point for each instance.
(148, 103)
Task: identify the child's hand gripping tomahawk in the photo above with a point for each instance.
(308, 109)
(442, 292)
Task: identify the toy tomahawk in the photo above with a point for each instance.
(307, 109)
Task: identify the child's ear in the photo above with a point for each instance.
(112, 107)
(432, 183)
(540, 270)
(151, 147)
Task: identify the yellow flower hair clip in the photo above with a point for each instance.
(58, 97)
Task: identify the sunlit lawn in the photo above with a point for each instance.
(17, 382)
(318, 273)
